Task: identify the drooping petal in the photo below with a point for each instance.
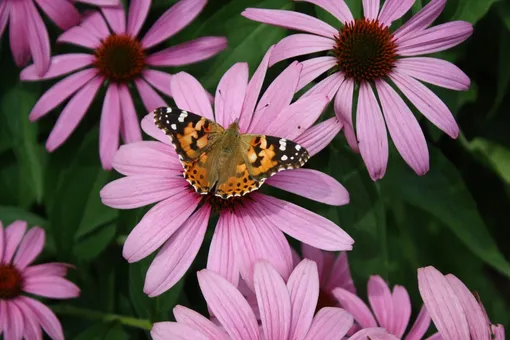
(189, 95)
(328, 86)
(14, 327)
(3, 314)
(191, 318)
(303, 286)
(158, 225)
(292, 20)
(13, 235)
(138, 11)
(379, 296)
(299, 44)
(18, 33)
(31, 328)
(53, 287)
(420, 327)
(177, 254)
(330, 323)
(59, 65)
(498, 331)
(150, 128)
(371, 131)
(228, 306)
(4, 16)
(311, 184)
(80, 36)
(371, 9)
(230, 93)
(343, 110)
(130, 127)
(30, 247)
(188, 52)
(73, 113)
(393, 10)
(319, 136)
(45, 317)
(100, 2)
(338, 8)
(61, 12)
(116, 18)
(221, 258)
(340, 275)
(150, 98)
(404, 129)
(159, 80)
(373, 334)
(321, 259)
(312, 68)
(302, 224)
(354, 305)
(48, 269)
(109, 126)
(273, 301)
(420, 21)
(175, 331)
(401, 311)
(38, 38)
(172, 21)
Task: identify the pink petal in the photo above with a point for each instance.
(355, 306)
(379, 296)
(73, 113)
(338, 8)
(61, 12)
(253, 91)
(371, 9)
(319, 136)
(147, 158)
(273, 301)
(4, 16)
(302, 224)
(14, 327)
(158, 79)
(311, 184)
(13, 235)
(45, 317)
(278, 95)
(292, 20)
(196, 321)
(328, 86)
(321, 258)
(158, 224)
(38, 38)
(59, 65)
(177, 254)
(172, 21)
(420, 327)
(30, 247)
(130, 127)
(373, 334)
(116, 18)
(3, 315)
(18, 33)
(54, 287)
(303, 286)
(312, 68)
(393, 10)
(2, 245)
(150, 98)
(372, 139)
(221, 259)
(442, 304)
(343, 110)
(230, 94)
(330, 323)
(401, 311)
(253, 239)
(189, 52)
(498, 331)
(421, 20)
(404, 129)
(475, 316)
(434, 71)
(109, 126)
(340, 275)
(47, 269)
(80, 36)
(436, 39)
(100, 2)
(175, 331)
(136, 16)
(189, 95)
(427, 103)
(150, 128)
(299, 44)
(31, 328)
(228, 305)
(96, 25)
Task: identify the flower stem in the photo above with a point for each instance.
(91, 314)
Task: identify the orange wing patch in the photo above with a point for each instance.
(238, 185)
(197, 175)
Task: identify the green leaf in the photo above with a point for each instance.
(496, 156)
(472, 10)
(504, 13)
(91, 245)
(442, 193)
(11, 214)
(96, 332)
(504, 71)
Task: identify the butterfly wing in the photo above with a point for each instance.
(190, 134)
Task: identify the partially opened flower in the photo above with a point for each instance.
(20, 315)
(367, 54)
(249, 227)
(455, 311)
(287, 310)
(119, 59)
(27, 32)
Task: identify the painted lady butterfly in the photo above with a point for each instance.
(225, 161)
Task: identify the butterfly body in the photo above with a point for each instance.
(222, 161)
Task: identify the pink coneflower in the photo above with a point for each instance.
(455, 311)
(287, 310)
(119, 59)
(22, 316)
(249, 227)
(27, 33)
(367, 54)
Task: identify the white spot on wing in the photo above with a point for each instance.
(173, 126)
(284, 157)
(298, 147)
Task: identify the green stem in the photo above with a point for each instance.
(91, 314)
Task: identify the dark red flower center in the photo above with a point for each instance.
(11, 282)
(365, 50)
(120, 58)
(326, 299)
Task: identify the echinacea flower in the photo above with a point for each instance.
(287, 310)
(455, 311)
(22, 316)
(27, 32)
(119, 58)
(249, 227)
(367, 54)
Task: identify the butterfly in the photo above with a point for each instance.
(224, 161)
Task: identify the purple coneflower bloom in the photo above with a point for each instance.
(27, 33)
(249, 227)
(22, 316)
(367, 54)
(455, 311)
(287, 310)
(119, 58)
